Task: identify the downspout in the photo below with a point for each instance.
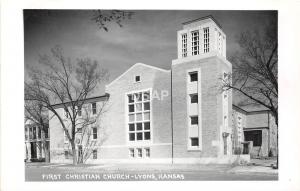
(172, 117)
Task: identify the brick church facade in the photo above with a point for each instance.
(177, 115)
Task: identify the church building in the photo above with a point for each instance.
(167, 116)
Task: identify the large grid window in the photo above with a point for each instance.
(139, 116)
(206, 39)
(184, 45)
(195, 42)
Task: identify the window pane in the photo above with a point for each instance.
(131, 117)
(195, 141)
(194, 98)
(39, 133)
(147, 135)
(138, 107)
(131, 137)
(147, 116)
(139, 136)
(194, 120)
(131, 108)
(139, 152)
(34, 133)
(147, 151)
(147, 126)
(139, 126)
(137, 78)
(131, 151)
(138, 96)
(131, 127)
(146, 96)
(147, 106)
(139, 116)
(194, 77)
(94, 154)
(130, 99)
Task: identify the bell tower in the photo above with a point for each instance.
(201, 120)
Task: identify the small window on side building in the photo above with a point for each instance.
(137, 78)
(194, 120)
(94, 154)
(194, 141)
(193, 77)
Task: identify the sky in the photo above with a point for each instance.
(149, 37)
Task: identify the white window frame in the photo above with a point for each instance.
(206, 39)
(189, 104)
(127, 113)
(184, 45)
(195, 42)
(131, 152)
(137, 151)
(149, 152)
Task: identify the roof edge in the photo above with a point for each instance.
(106, 95)
(136, 64)
(203, 18)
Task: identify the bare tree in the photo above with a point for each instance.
(103, 17)
(255, 69)
(59, 81)
(38, 116)
(86, 138)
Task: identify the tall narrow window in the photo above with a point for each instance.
(94, 133)
(94, 154)
(184, 45)
(39, 133)
(206, 39)
(94, 108)
(34, 132)
(195, 42)
(220, 48)
(26, 133)
(139, 153)
(139, 116)
(79, 111)
(131, 153)
(147, 152)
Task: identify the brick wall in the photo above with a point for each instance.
(211, 71)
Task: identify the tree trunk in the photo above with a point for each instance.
(74, 153)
